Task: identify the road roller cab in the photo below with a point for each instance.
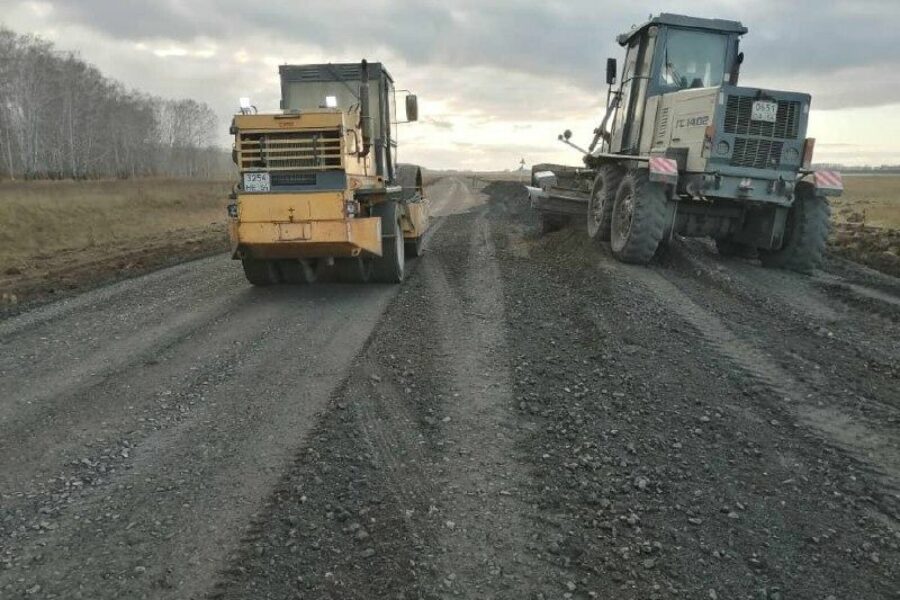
(320, 188)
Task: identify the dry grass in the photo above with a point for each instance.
(40, 218)
(873, 200)
(57, 237)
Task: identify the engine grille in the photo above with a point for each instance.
(294, 151)
(740, 108)
(756, 153)
(662, 127)
(281, 179)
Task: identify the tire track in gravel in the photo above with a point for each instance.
(488, 526)
(412, 485)
(874, 446)
(680, 473)
(163, 517)
(849, 359)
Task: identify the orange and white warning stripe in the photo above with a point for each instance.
(829, 180)
(663, 169)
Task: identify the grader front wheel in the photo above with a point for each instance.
(638, 218)
(600, 205)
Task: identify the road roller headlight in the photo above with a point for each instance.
(723, 147)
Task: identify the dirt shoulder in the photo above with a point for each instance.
(875, 247)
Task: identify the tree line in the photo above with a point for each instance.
(61, 118)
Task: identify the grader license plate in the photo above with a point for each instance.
(765, 111)
(257, 182)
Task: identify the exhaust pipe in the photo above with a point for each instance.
(365, 117)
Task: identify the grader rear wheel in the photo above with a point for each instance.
(806, 234)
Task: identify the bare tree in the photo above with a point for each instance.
(60, 117)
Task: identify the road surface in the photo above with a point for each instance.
(523, 418)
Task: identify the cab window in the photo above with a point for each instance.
(693, 59)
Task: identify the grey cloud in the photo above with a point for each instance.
(563, 43)
(570, 38)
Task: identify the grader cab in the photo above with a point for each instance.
(683, 149)
(320, 190)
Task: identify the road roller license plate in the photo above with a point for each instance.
(257, 182)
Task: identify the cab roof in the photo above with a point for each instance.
(331, 72)
(719, 25)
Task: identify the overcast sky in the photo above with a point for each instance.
(497, 80)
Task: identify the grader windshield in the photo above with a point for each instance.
(693, 59)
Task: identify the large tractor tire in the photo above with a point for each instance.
(353, 270)
(261, 272)
(638, 218)
(298, 272)
(603, 197)
(391, 267)
(805, 235)
(409, 177)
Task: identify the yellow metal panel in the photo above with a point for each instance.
(349, 237)
(326, 119)
(269, 208)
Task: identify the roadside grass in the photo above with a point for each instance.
(40, 218)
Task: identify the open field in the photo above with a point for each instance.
(56, 237)
(59, 235)
(870, 199)
(867, 222)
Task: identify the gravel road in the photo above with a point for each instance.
(523, 418)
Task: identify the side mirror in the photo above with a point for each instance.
(736, 72)
(567, 134)
(412, 108)
(612, 70)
